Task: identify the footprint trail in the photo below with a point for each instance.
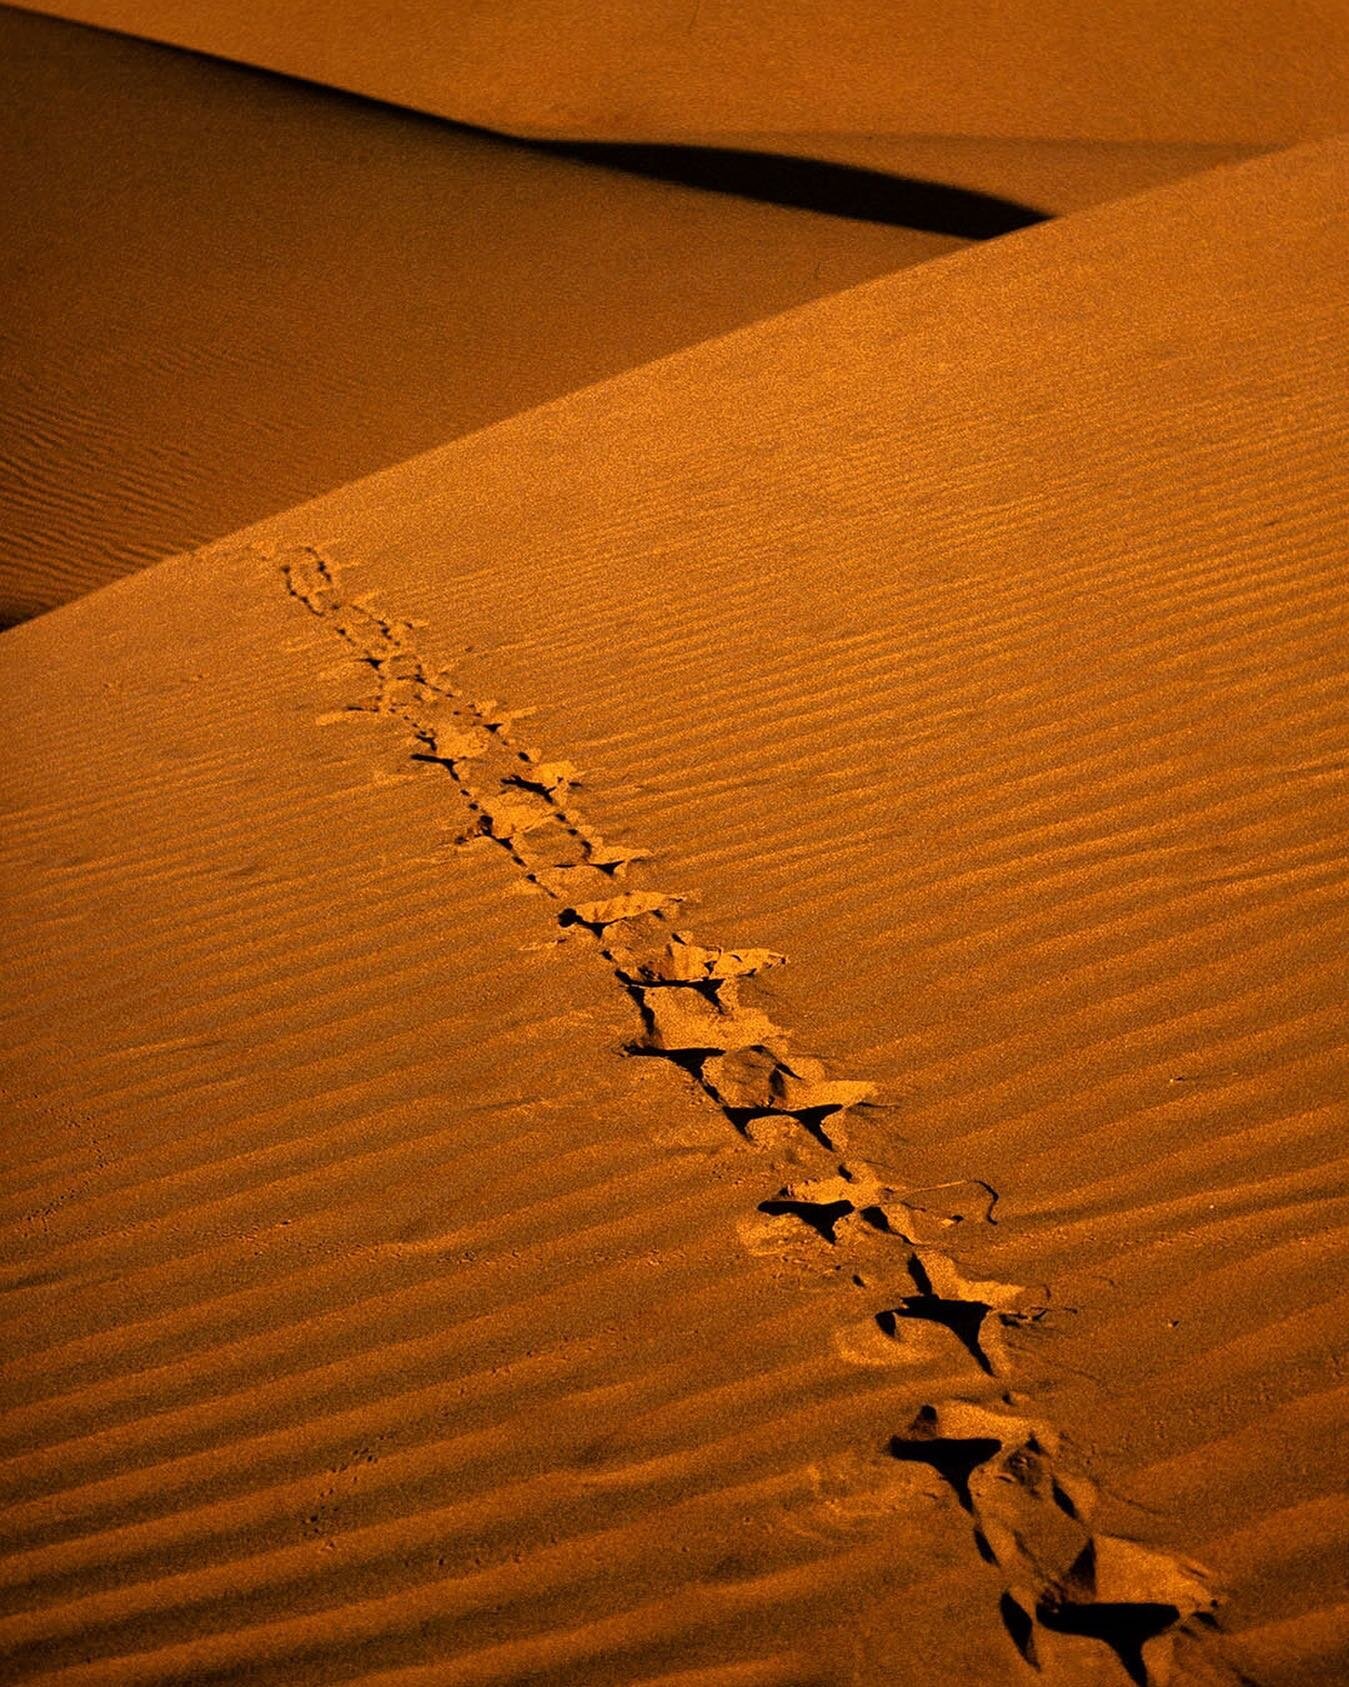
(1029, 1514)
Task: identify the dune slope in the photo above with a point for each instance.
(956, 1300)
(222, 292)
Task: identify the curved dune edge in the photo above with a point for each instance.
(906, 662)
(227, 293)
(283, 300)
(1253, 75)
(1058, 176)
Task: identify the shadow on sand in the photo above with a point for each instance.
(811, 184)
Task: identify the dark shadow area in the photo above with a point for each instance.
(1126, 1629)
(811, 184)
(964, 1319)
(820, 1216)
(1021, 1626)
(953, 1458)
(852, 191)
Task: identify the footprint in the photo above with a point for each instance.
(548, 777)
(630, 905)
(956, 1439)
(686, 1020)
(614, 859)
(1132, 1598)
(827, 1204)
(687, 962)
(496, 718)
(767, 1079)
(507, 821)
(823, 1217)
(1032, 1521)
(569, 884)
(456, 744)
(975, 1312)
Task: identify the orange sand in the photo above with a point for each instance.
(292, 288)
(426, 1266)
(1155, 70)
(225, 293)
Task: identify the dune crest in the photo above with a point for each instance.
(226, 293)
(1065, 69)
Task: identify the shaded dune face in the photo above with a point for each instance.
(840, 189)
(700, 1038)
(224, 293)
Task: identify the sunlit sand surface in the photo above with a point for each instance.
(695, 1035)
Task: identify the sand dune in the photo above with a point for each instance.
(1060, 70)
(224, 293)
(954, 1301)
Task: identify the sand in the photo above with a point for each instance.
(699, 1038)
(224, 292)
(1153, 71)
(294, 288)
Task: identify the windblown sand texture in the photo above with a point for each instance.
(697, 1038)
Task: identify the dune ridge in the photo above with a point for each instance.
(285, 298)
(224, 292)
(1258, 75)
